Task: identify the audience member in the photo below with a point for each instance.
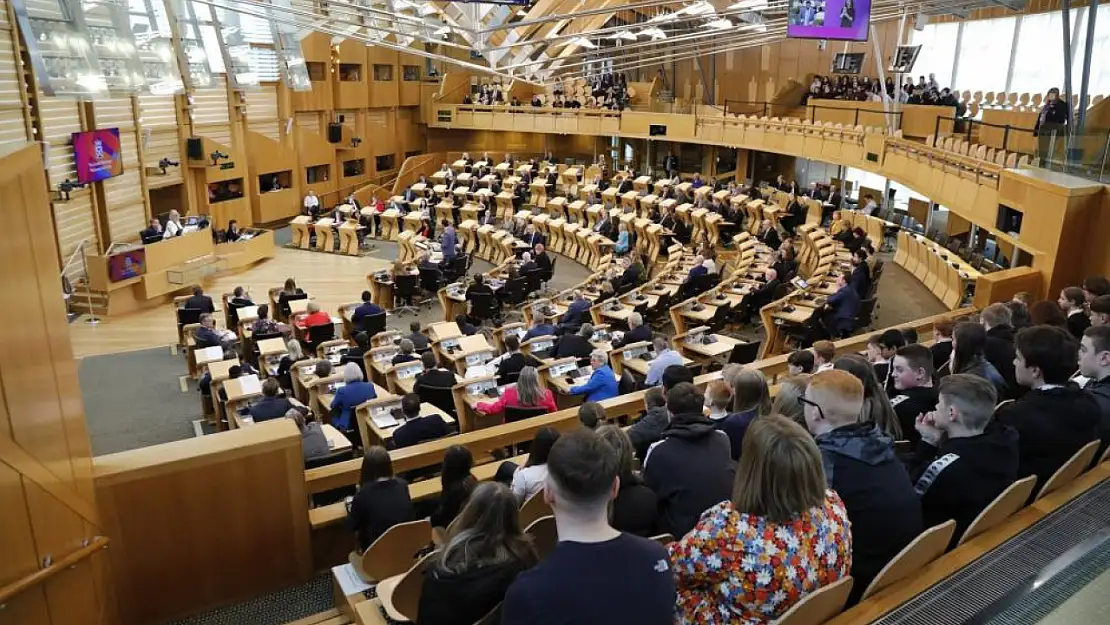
(999, 347)
(665, 356)
(751, 399)
(1094, 287)
(877, 408)
(637, 331)
(781, 535)
(861, 467)
(635, 508)
(788, 399)
(800, 361)
(964, 460)
(1094, 363)
(650, 427)
(942, 344)
(914, 395)
(1046, 313)
(272, 405)
(418, 428)
(456, 484)
(1073, 301)
(602, 383)
(823, 354)
(690, 469)
(1054, 419)
(590, 414)
(529, 479)
(381, 501)
(1100, 310)
(595, 574)
(969, 340)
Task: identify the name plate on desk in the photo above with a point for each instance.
(478, 358)
(563, 369)
(409, 371)
(479, 388)
(636, 352)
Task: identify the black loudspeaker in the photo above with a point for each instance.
(335, 133)
(657, 130)
(194, 148)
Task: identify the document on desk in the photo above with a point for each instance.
(349, 581)
(384, 420)
(209, 354)
(250, 385)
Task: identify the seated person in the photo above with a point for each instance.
(763, 295)
(435, 375)
(513, 360)
(576, 344)
(382, 500)
(485, 551)
(862, 468)
(526, 393)
(623, 240)
(665, 356)
(465, 326)
(315, 316)
(543, 261)
(232, 233)
(576, 311)
(800, 361)
(240, 298)
(912, 374)
(540, 327)
(456, 484)
(294, 353)
(366, 309)
(263, 325)
(406, 354)
(637, 331)
(314, 443)
(426, 263)
(478, 287)
(419, 340)
(527, 264)
(804, 525)
(208, 335)
(272, 405)
(356, 352)
(633, 273)
(355, 391)
(840, 310)
(964, 459)
(153, 232)
(861, 273)
(416, 428)
(199, 301)
(602, 384)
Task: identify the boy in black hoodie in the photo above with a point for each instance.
(1094, 362)
(691, 468)
(1054, 419)
(997, 320)
(963, 460)
(861, 467)
(912, 376)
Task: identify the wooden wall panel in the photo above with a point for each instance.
(210, 114)
(309, 122)
(13, 126)
(74, 218)
(45, 466)
(158, 123)
(262, 111)
(124, 198)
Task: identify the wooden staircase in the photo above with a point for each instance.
(328, 617)
(83, 296)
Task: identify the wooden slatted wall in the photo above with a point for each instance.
(210, 113)
(309, 122)
(127, 213)
(262, 111)
(60, 118)
(13, 127)
(158, 116)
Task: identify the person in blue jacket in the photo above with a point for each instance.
(354, 391)
(841, 309)
(602, 383)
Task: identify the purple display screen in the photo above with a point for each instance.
(829, 19)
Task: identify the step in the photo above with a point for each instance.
(327, 617)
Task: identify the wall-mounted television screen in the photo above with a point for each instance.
(97, 154)
(845, 20)
(124, 265)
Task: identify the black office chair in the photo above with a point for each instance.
(703, 283)
(286, 311)
(744, 353)
(720, 318)
(457, 268)
(373, 324)
(866, 311)
(514, 292)
(627, 383)
(316, 335)
(484, 306)
(533, 281)
(187, 316)
(406, 289)
(694, 368)
(431, 279)
(520, 413)
(440, 397)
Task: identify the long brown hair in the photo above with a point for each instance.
(780, 474)
(486, 533)
(749, 391)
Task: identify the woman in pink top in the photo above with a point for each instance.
(526, 394)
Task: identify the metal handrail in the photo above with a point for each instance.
(92, 319)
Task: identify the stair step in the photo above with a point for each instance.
(328, 617)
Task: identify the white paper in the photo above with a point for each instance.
(208, 354)
(250, 384)
(384, 420)
(349, 581)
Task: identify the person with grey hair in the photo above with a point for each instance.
(313, 442)
(406, 354)
(665, 356)
(527, 264)
(637, 331)
(602, 383)
(964, 459)
(577, 344)
(354, 391)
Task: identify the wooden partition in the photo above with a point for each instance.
(53, 569)
(915, 120)
(205, 522)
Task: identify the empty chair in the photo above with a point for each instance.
(1071, 469)
(819, 606)
(1004, 506)
(544, 533)
(394, 552)
(744, 353)
(533, 509)
(927, 547)
(400, 594)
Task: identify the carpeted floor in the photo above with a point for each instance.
(273, 609)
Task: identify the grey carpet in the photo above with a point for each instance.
(133, 400)
(275, 608)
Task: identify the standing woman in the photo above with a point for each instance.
(456, 484)
(382, 500)
(1052, 123)
(484, 553)
(781, 536)
(847, 14)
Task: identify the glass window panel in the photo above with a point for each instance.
(938, 50)
(985, 54)
(1039, 62)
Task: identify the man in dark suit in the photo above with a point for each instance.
(527, 264)
(768, 235)
(841, 309)
(272, 405)
(532, 237)
(199, 301)
(478, 288)
(543, 261)
(670, 164)
(513, 361)
(762, 296)
(152, 232)
(419, 341)
(699, 269)
(365, 309)
(577, 345)
(637, 331)
(434, 375)
(626, 185)
(861, 273)
(578, 307)
(416, 428)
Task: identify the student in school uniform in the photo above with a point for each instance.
(381, 501)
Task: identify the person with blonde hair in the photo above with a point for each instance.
(788, 399)
(861, 466)
(781, 535)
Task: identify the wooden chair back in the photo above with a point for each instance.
(395, 551)
(1105, 456)
(1004, 506)
(533, 509)
(1071, 469)
(663, 539)
(545, 535)
(928, 546)
(400, 594)
(819, 606)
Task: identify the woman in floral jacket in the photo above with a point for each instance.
(782, 535)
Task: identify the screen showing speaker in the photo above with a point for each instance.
(657, 130)
(124, 265)
(96, 153)
(843, 20)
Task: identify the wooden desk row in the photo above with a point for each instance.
(944, 273)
